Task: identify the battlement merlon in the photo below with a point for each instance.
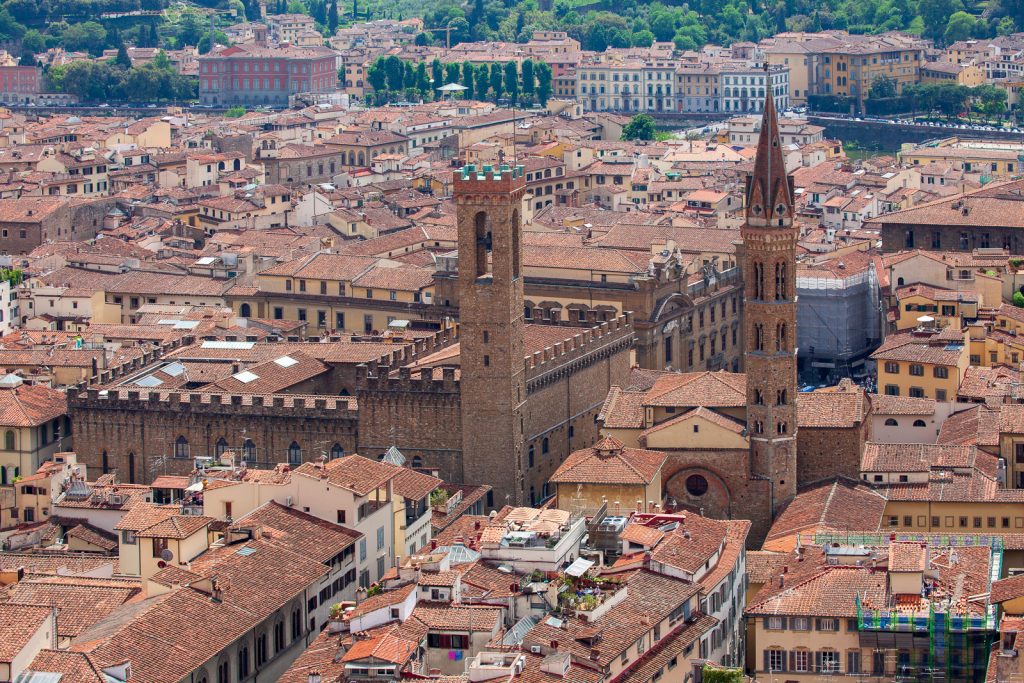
(383, 378)
(138, 363)
(263, 405)
(608, 336)
(469, 180)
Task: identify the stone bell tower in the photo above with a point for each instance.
(769, 275)
(490, 288)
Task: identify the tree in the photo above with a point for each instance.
(1018, 300)
(543, 83)
(643, 39)
(436, 73)
(496, 81)
(33, 42)
(936, 13)
(882, 87)
(376, 76)
(162, 61)
(205, 44)
(395, 70)
(89, 36)
(990, 101)
(960, 26)
(332, 17)
(422, 81)
(459, 30)
(640, 127)
(235, 112)
(452, 73)
(27, 59)
(512, 82)
(529, 79)
(663, 25)
(154, 37)
(468, 73)
(122, 59)
(10, 28)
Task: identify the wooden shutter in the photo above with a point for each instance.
(767, 661)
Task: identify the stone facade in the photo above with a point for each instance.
(493, 413)
(490, 285)
(828, 452)
(769, 265)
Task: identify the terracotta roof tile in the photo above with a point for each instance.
(80, 604)
(354, 472)
(18, 624)
(610, 463)
(841, 504)
(831, 409)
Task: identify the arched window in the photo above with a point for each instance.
(545, 446)
(758, 427)
(131, 468)
(249, 451)
(900, 282)
(181, 447)
(221, 446)
(919, 423)
(758, 280)
(759, 336)
(483, 242)
(780, 280)
(9, 440)
(758, 397)
(337, 451)
(780, 397)
(781, 428)
(294, 454)
(529, 457)
(780, 337)
(516, 248)
(245, 310)
(105, 462)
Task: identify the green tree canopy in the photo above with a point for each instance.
(640, 127)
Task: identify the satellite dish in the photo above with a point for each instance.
(166, 555)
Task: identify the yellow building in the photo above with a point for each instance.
(849, 64)
(795, 57)
(923, 363)
(946, 72)
(987, 160)
(608, 472)
(153, 537)
(946, 307)
(35, 427)
(337, 292)
(832, 612)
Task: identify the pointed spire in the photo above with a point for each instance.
(769, 196)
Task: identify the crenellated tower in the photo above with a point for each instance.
(769, 273)
(490, 283)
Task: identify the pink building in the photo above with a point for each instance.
(251, 74)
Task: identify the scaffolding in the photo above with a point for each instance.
(937, 644)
